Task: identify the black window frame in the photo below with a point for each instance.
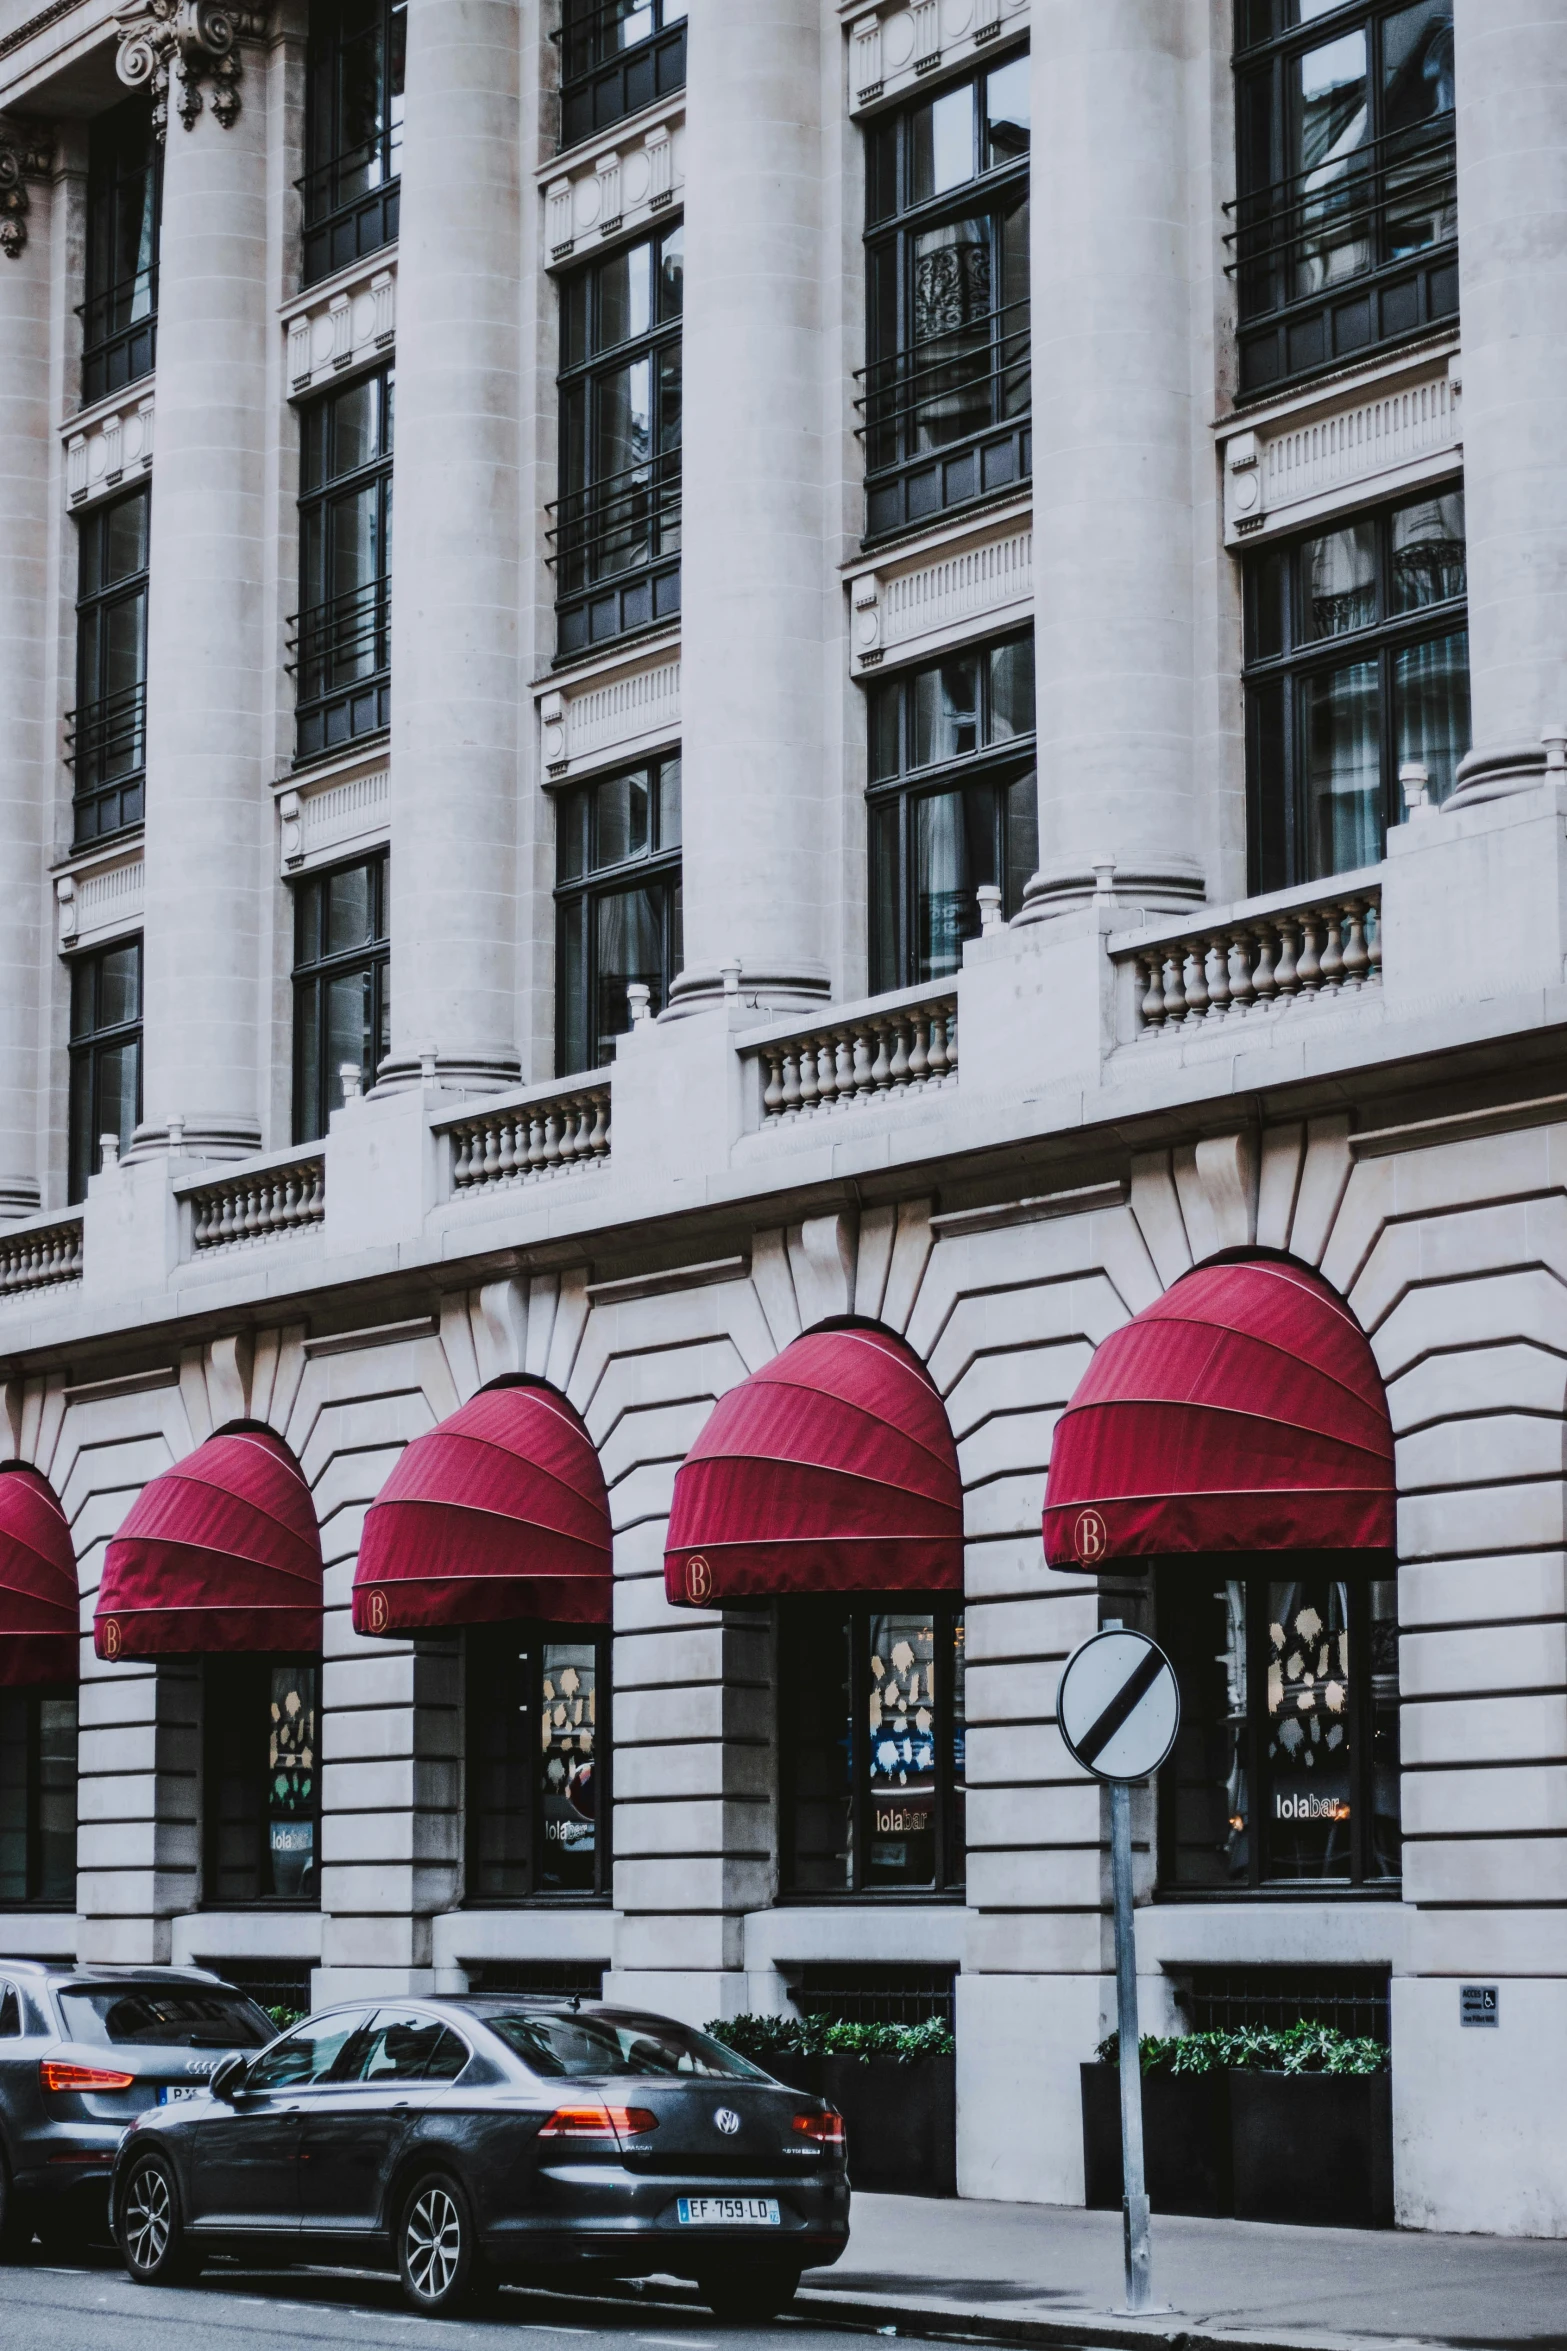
(1177, 1586)
(341, 228)
(1285, 338)
(600, 593)
(226, 1700)
(579, 978)
(892, 801)
(804, 1627)
(340, 644)
(106, 733)
(600, 83)
(1277, 762)
(87, 1047)
(484, 1662)
(29, 1705)
(119, 314)
(316, 964)
(907, 487)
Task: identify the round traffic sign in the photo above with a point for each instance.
(1118, 1705)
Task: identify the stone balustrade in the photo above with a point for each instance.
(879, 1054)
(531, 1139)
(1326, 944)
(254, 1205)
(39, 1256)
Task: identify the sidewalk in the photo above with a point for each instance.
(1052, 2274)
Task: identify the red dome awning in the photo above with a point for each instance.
(833, 1469)
(1242, 1412)
(39, 1602)
(220, 1553)
(499, 1513)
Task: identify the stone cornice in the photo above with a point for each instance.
(195, 41)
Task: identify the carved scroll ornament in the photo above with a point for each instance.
(26, 152)
(196, 40)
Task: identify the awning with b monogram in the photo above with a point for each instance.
(39, 1603)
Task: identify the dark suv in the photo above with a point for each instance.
(83, 2051)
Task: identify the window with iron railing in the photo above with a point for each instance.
(617, 56)
(945, 392)
(617, 907)
(119, 312)
(106, 734)
(353, 132)
(1344, 230)
(342, 987)
(105, 1053)
(616, 529)
(340, 645)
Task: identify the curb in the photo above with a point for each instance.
(1091, 2330)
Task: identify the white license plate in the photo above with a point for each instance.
(172, 2092)
(742, 2212)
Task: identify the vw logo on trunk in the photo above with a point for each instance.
(727, 2120)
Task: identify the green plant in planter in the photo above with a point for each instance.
(1296, 2048)
(762, 2037)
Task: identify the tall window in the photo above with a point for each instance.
(538, 1757)
(1346, 224)
(617, 906)
(124, 199)
(106, 734)
(353, 131)
(105, 1055)
(261, 1784)
(617, 56)
(947, 375)
(342, 640)
(1357, 659)
(1286, 1767)
(871, 1739)
(617, 531)
(953, 804)
(38, 1798)
(342, 988)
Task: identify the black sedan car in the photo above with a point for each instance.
(470, 2139)
(83, 2051)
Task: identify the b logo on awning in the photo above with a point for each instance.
(699, 1579)
(1090, 1537)
(110, 1636)
(378, 1612)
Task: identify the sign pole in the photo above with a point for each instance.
(1134, 2200)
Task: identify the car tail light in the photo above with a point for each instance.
(607, 2125)
(55, 2074)
(823, 2130)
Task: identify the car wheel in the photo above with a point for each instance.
(437, 2251)
(751, 2295)
(149, 2227)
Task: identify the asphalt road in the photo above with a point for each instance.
(96, 2308)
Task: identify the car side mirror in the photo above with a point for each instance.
(228, 2079)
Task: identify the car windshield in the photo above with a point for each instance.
(149, 2016)
(554, 2043)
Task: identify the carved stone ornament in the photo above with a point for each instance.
(198, 40)
(26, 152)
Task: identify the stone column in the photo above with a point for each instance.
(209, 649)
(1511, 76)
(1112, 455)
(457, 671)
(754, 585)
(26, 723)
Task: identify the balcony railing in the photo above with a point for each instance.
(615, 59)
(40, 1256)
(106, 751)
(1304, 948)
(615, 551)
(119, 335)
(340, 655)
(879, 1052)
(254, 1205)
(351, 205)
(948, 419)
(531, 1137)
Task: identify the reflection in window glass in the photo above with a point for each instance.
(105, 1056)
(617, 907)
(537, 1754)
(261, 1795)
(342, 988)
(38, 1797)
(1344, 766)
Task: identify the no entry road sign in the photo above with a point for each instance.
(1118, 1705)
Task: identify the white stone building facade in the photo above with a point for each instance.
(1245, 952)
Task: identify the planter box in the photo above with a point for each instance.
(1316, 2149)
(901, 2122)
(797, 2072)
(1186, 2141)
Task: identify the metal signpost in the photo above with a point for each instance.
(1119, 1710)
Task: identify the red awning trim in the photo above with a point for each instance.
(39, 1598)
(1242, 1411)
(832, 1469)
(500, 1512)
(221, 1554)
